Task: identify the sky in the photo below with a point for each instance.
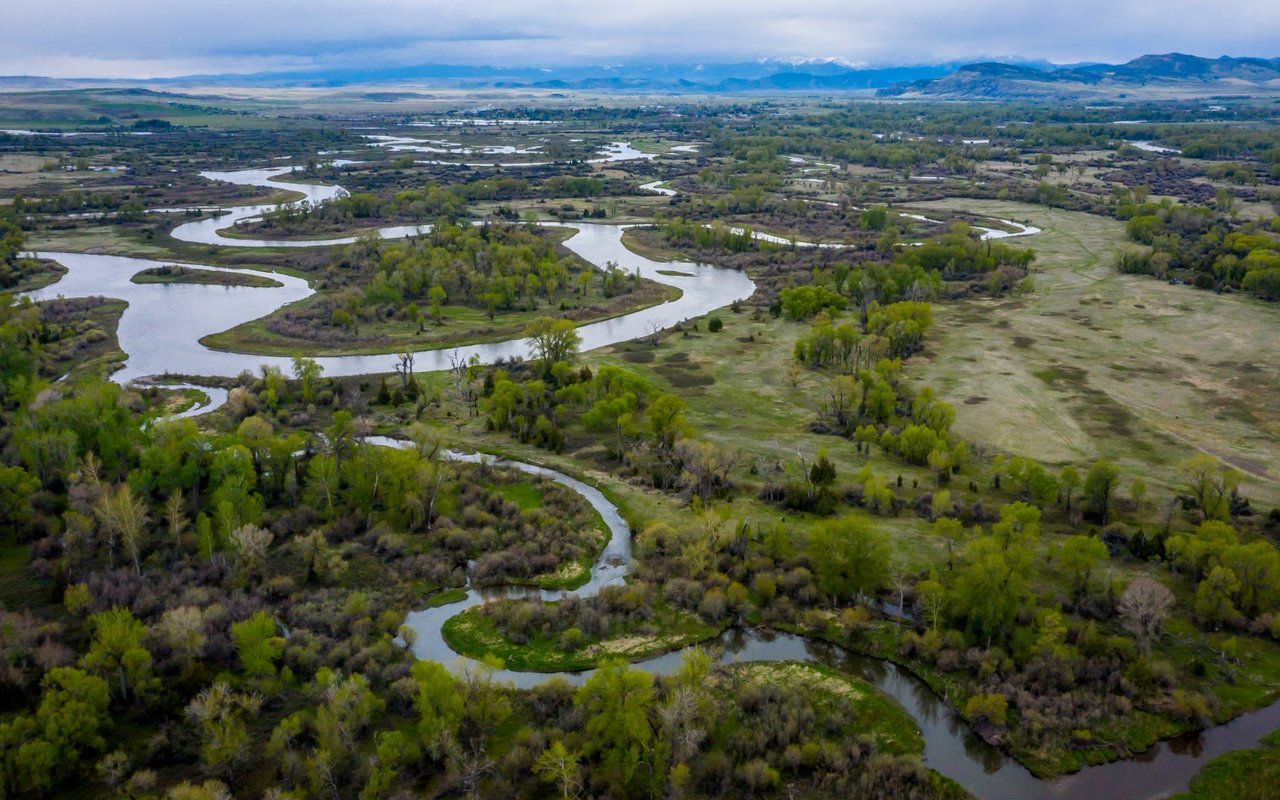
(168, 38)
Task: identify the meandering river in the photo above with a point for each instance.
(950, 746)
(160, 331)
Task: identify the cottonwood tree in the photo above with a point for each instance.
(559, 765)
(182, 628)
(849, 559)
(123, 516)
(1143, 606)
(251, 543)
(616, 701)
(1081, 557)
(404, 368)
(1099, 485)
(307, 372)
(221, 716)
(175, 517)
(553, 340)
(117, 651)
(257, 644)
(1210, 483)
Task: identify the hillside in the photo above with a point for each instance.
(1173, 75)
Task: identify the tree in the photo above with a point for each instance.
(16, 489)
(559, 765)
(404, 368)
(1019, 524)
(952, 532)
(70, 722)
(116, 649)
(1143, 607)
(615, 702)
(436, 296)
(992, 587)
(849, 558)
(307, 372)
(931, 599)
(182, 628)
(251, 543)
(1257, 566)
(257, 644)
(347, 707)
(552, 340)
(1215, 605)
(667, 422)
(1080, 557)
(175, 517)
(989, 708)
(123, 516)
(1099, 485)
(1070, 480)
(220, 715)
(1210, 483)
(439, 703)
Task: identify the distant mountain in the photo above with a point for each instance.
(1170, 76)
(822, 74)
(1152, 76)
(769, 75)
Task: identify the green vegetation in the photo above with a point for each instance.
(460, 285)
(205, 277)
(1241, 775)
(1021, 470)
(554, 640)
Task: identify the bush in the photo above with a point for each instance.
(715, 325)
(991, 708)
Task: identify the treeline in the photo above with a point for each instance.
(1201, 246)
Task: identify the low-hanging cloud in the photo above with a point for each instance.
(151, 38)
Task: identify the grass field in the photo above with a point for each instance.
(1096, 364)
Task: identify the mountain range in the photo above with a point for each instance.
(1172, 75)
(1168, 76)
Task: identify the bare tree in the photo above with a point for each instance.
(655, 331)
(1143, 607)
(404, 368)
(900, 577)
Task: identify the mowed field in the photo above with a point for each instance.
(1096, 364)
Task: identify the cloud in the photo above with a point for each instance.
(144, 38)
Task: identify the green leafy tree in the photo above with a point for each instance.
(1099, 486)
(616, 701)
(116, 650)
(257, 644)
(849, 558)
(438, 702)
(553, 340)
(1215, 605)
(992, 587)
(559, 765)
(307, 372)
(1210, 483)
(1070, 481)
(1080, 558)
(35, 753)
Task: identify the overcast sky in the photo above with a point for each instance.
(163, 38)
